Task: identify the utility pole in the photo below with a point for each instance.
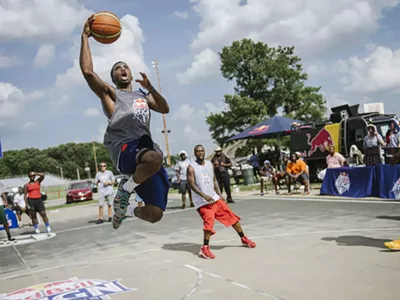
(165, 131)
(94, 154)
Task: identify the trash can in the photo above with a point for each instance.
(248, 176)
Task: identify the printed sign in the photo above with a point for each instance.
(73, 288)
(342, 183)
(11, 220)
(372, 156)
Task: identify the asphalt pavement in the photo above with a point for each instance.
(306, 249)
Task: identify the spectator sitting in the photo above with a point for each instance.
(297, 171)
(334, 159)
(268, 172)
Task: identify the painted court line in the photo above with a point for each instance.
(241, 285)
(112, 258)
(198, 283)
(241, 200)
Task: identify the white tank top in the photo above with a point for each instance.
(204, 179)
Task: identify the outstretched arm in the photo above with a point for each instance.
(155, 100)
(104, 91)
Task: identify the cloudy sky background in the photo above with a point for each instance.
(349, 47)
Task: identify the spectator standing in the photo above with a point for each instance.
(221, 163)
(254, 160)
(181, 170)
(373, 139)
(34, 200)
(105, 181)
(393, 135)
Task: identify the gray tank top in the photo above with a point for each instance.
(204, 176)
(129, 121)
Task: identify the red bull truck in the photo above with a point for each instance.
(345, 127)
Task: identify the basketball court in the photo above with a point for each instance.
(306, 249)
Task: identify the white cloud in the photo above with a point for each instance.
(92, 112)
(9, 61)
(64, 99)
(28, 125)
(184, 113)
(206, 63)
(181, 14)
(312, 26)
(100, 134)
(377, 71)
(44, 55)
(127, 48)
(12, 100)
(188, 113)
(39, 21)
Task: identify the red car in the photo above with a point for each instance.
(79, 191)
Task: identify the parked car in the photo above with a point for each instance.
(172, 177)
(93, 186)
(79, 191)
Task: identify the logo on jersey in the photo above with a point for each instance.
(207, 181)
(396, 189)
(140, 110)
(73, 288)
(342, 183)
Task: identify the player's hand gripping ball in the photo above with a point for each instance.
(105, 27)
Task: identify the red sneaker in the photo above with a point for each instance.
(205, 252)
(247, 243)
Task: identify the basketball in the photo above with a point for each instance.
(106, 27)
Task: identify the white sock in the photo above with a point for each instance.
(130, 185)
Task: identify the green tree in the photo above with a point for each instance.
(266, 79)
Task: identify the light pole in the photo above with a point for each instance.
(165, 131)
(61, 171)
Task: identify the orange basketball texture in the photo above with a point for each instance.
(106, 28)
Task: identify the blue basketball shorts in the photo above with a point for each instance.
(154, 191)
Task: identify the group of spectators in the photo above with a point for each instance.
(291, 171)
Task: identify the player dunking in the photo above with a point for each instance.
(209, 203)
(128, 138)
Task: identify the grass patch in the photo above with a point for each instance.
(72, 205)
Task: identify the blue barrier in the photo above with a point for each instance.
(11, 219)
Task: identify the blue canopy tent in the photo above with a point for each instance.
(275, 127)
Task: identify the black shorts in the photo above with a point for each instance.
(36, 205)
(184, 187)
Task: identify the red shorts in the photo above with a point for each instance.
(219, 211)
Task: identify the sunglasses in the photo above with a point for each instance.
(103, 166)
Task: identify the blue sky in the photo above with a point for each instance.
(350, 48)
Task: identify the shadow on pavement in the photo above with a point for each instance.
(356, 240)
(192, 247)
(394, 218)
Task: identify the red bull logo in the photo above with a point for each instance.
(259, 130)
(322, 141)
(73, 288)
(140, 110)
